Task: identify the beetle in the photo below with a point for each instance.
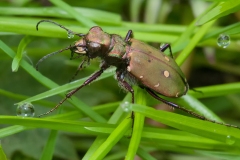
(136, 63)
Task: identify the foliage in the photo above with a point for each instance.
(92, 124)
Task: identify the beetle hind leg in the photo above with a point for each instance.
(154, 95)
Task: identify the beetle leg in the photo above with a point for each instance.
(128, 36)
(154, 95)
(88, 81)
(125, 84)
(128, 87)
(80, 67)
(166, 46)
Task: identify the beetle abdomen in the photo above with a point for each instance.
(156, 70)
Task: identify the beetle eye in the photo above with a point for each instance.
(95, 46)
(93, 49)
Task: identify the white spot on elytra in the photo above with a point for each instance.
(166, 73)
(156, 85)
(177, 94)
(141, 77)
(166, 58)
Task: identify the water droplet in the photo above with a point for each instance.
(230, 140)
(25, 110)
(223, 40)
(70, 35)
(126, 106)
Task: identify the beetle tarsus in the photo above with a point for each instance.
(154, 95)
(50, 111)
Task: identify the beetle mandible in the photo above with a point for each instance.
(134, 60)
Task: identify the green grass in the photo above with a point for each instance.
(92, 123)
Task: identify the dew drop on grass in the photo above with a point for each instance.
(25, 110)
(70, 35)
(230, 140)
(126, 106)
(223, 40)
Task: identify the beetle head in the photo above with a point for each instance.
(97, 42)
(75, 48)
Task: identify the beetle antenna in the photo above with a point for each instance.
(68, 30)
(51, 54)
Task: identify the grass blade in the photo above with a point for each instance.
(113, 138)
(222, 9)
(137, 127)
(210, 130)
(18, 57)
(83, 20)
(50, 84)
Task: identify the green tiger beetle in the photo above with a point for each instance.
(136, 63)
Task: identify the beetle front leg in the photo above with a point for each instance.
(88, 81)
(80, 67)
(128, 87)
(125, 84)
(166, 46)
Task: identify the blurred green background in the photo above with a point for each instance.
(152, 21)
